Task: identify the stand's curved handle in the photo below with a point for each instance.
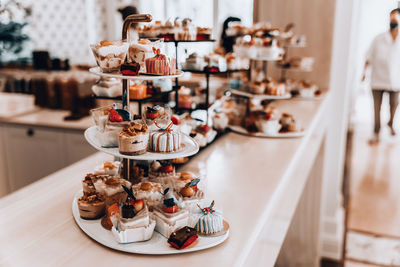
(134, 19)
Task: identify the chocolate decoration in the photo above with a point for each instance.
(130, 68)
(183, 237)
(128, 211)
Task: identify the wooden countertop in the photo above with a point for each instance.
(246, 176)
(12, 105)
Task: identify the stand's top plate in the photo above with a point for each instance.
(141, 77)
(189, 148)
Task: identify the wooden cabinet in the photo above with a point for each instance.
(34, 152)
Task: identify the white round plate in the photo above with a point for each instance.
(241, 130)
(190, 147)
(147, 77)
(260, 97)
(157, 245)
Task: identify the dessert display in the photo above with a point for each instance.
(91, 205)
(178, 30)
(183, 237)
(149, 191)
(300, 63)
(160, 64)
(210, 220)
(256, 47)
(169, 217)
(108, 87)
(133, 139)
(110, 55)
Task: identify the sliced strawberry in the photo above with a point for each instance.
(175, 120)
(167, 168)
(172, 209)
(152, 115)
(195, 188)
(138, 204)
(115, 116)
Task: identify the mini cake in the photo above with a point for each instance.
(137, 91)
(91, 205)
(307, 90)
(257, 88)
(165, 140)
(210, 220)
(111, 189)
(109, 87)
(276, 89)
(203, 33)
(288, 123)
(203, 134)
(181, 179)
(161, 172)
(183, 237)
(108, 168)
(88, 182)
(149, 191)
(133, 139)
(110, 55)
(160, 64)
(268, 124)
(158, 117)
(132, 223)
(139, 51)
(190, 194)
(220, 121)
(169, 217)
(195, 62)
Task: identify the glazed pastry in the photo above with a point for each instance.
(111, 189)
(108, 168)
(91, 205)
(110, 55)
(133, 139)
(149, 191)
(210, 220)
(190, 194)
(166, 141)
(160, 64)
(183, 237)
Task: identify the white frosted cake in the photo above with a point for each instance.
(165, 141)
(210, 221)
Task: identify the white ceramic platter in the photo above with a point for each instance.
(241, 130)
(141, 77)
(157, 245)
(189, 148)
(260, 97)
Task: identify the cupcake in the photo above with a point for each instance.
(133, 139)
(91, 206)
(110, 55)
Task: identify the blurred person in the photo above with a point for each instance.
(383, 59)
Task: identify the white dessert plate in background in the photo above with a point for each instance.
(260, 97)
(189, 148)
(241, 130)
(157, 245)
(147, 77)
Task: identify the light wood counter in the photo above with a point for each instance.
(257, 182)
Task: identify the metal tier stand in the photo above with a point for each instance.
(126, 163)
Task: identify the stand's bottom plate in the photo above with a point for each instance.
(241, 130)
(157, 245)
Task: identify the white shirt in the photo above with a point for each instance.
(384, 59)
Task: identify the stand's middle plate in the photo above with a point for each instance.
(189, 148)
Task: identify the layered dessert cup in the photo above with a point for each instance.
(110, 55)
(91, 206)
(133, 139)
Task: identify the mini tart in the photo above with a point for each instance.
(108, 168)
(133, 139)
(91, 206)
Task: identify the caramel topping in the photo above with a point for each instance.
(146, 186)
(113, 181)
(144, 41)
(109, 165)
(91, 197)
(134, 129)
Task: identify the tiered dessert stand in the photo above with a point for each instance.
(93, 228)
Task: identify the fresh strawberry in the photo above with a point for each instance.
(115, 116)
(268, 116)
(138, 204)
(195, 188)
(167, 168)
(151, 113)
(205, 128)
(171, 209)
(175, 120)
(111, 210)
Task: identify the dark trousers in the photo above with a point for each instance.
(393, 102)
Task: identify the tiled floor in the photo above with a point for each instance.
(374, 204)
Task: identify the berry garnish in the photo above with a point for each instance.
(170, 206)
(138, 204)
(175, 120)
(167, 168)
(115, 116)
(151, 113)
